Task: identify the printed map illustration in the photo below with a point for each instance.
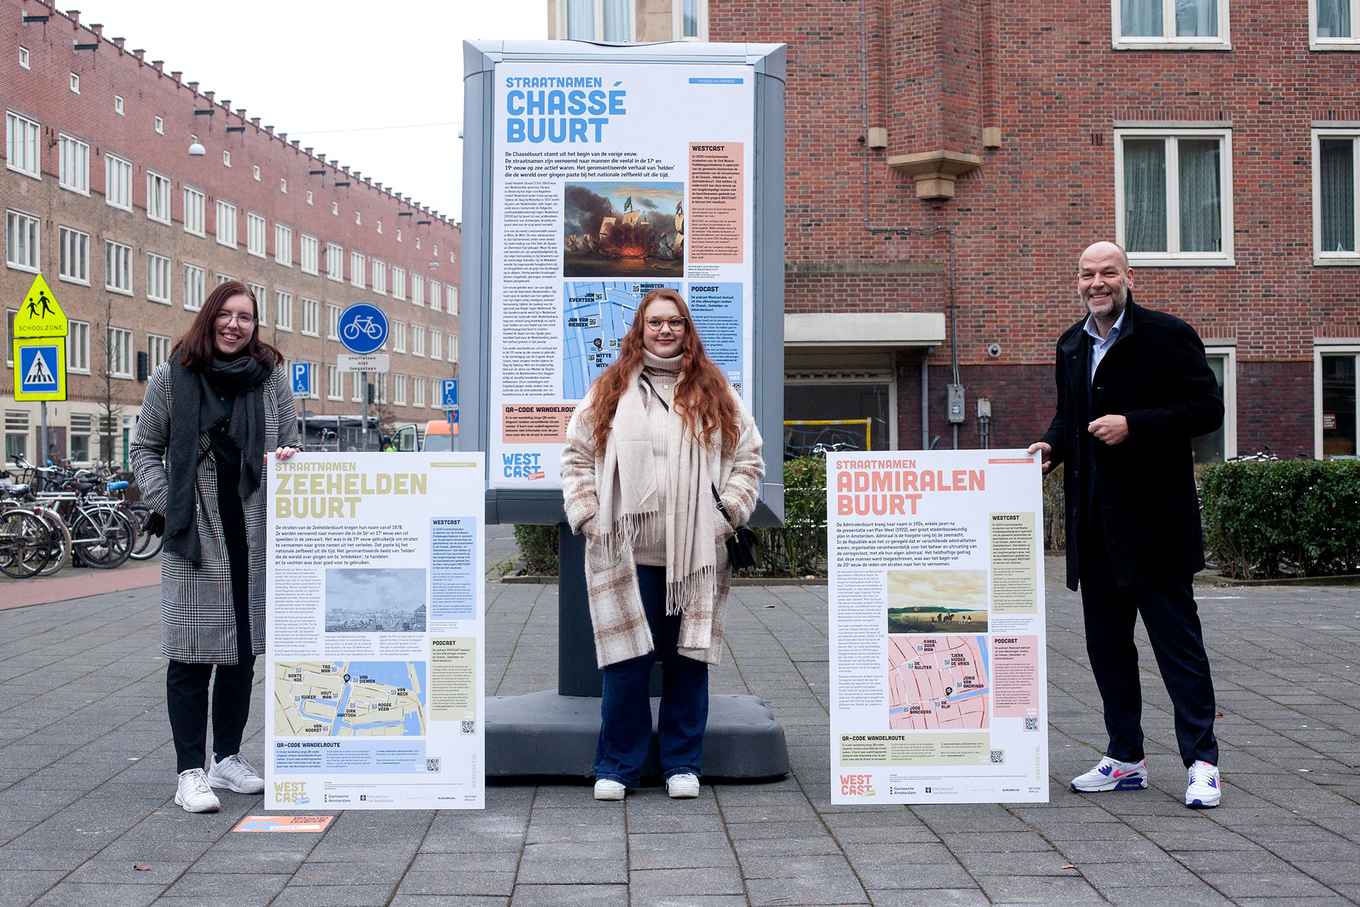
(349, 699)
(595, 316)
(937, 682)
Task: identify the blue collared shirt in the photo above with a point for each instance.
(1101, 345)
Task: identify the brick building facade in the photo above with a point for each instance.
(102, 196)
(1219, 140)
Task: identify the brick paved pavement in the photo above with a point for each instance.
(86, 780)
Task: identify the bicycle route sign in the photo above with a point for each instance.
(362, 328)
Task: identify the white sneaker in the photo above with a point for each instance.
(1111, 774)
(236, 774)
(683, 786)
(608, 789)
(194, 794)
(1203, 790)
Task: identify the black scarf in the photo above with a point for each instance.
(229, 393)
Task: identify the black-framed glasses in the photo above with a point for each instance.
(676, 324)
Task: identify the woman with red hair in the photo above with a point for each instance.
(662, 464)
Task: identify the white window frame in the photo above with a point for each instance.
(335, 262)
(283, 245)
(1177, 259)
(256, 225)
(1317, 43)
(311, 198)
(399, 336)
(678, 20)
(195, 211)
(1323, 347)
(418, 391)
(225, 237)
(157, 351)
(195, 287)
(453, 299)
(436, 347)
(1320, 255)
(417, 288)
(226, 158)
(32, 246)
(378, 273)
(399, 283)
(119, 105)
(1169, 40)
(332, 321)
(869, 375)
(156, 282)
(358, 384)
(74, 83)
(309, 254)
(118, 356)
(417, 340)
(357, 265)
(335, 209)
(78, 347)
(73, 172)
(399, 389)
(117, 182)
(436, 296)
(451, 350)
(24, 60)
(158, 125)
(29, 138)
(335, 383)
(78, 252)
(283, 310)
(117, 267)
(311, 317)
(261, 303)
(1228, 352)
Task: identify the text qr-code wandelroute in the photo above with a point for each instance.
(998, 757)
(1032, 723)
(432, 764)
(469, 727)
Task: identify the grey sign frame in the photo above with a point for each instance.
(768, 65)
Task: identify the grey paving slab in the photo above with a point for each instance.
(570, 896)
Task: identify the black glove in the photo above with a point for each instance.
(155, 524)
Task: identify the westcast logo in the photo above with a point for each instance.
(522, 466)
(857, 785)
(291, 792)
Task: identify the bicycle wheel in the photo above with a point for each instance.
(148, 545)
(25, 546)
(102, 537)
(60, 540)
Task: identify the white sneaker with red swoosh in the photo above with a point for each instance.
(1111, 774)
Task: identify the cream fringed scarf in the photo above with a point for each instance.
(630, 509)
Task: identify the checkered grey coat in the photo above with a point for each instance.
(198, 622)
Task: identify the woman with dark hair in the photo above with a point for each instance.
(662, 464)
(211, 414)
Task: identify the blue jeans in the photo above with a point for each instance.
(625, 709)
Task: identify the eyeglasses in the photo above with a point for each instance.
(656, 324)
(241, 318)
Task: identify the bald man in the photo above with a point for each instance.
(1133, 388)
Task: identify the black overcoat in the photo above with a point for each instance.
(1141, 492)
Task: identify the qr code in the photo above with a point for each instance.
(1032, 723)
(469, 727)
(998, 757)
(432, 764)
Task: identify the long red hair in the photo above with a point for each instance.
(702, 396)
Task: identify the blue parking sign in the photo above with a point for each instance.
(301, 373)
(448, 392)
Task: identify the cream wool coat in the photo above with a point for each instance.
(616, 612)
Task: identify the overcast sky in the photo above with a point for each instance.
(375, 86)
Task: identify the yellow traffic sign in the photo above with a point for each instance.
(39, 314)
(40, 369)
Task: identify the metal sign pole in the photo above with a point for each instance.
(42, 454)
(363, 431)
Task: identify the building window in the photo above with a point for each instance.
(22, 232)
(23, 58)
(356, 269)
(308, 257)
(1173, 192)
(310, 197)
(117, 182)
(226, 224)
(453, 299)
(21, 145)
(379, 277)
(261, 303)
(255, 227)
(10, 315)
(399, 390)
(417, 340)
(436, 344)
(335, 209)
(1336, 396)
(335, 389)
(283, 245)
(311, 317)
(417, 288)
(418, 392)
(158, 201)
(595, 20)
(75, 84)
(226, 158)
(157, 351)
(436, 296)
(117, 267)
(1333, 24)
(82, 431)
(839, 410)
(332, 322)
(74, 172)
(195, 278)
(1171, 24)
(283, 310)
(689, 20)
(357, 386)
(398, 283)
(283, 186)
(75, 255)
(1221, 444)
(335, 262)
(452, 352)
(379, 227)
(16, 435)
(78, 347)
(159, 125)
(1336, 195)
(399, 336)
(118, 106)
(157, 277)
(358, 218)
(223, 278)
(120, 353)
(255, 172)
(417, 243)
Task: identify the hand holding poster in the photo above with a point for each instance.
(936, 598)
(374, 656)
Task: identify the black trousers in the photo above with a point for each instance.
(186, 694)
(1172, 622)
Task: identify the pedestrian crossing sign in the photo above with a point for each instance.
(40, 370)
(39, 314)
